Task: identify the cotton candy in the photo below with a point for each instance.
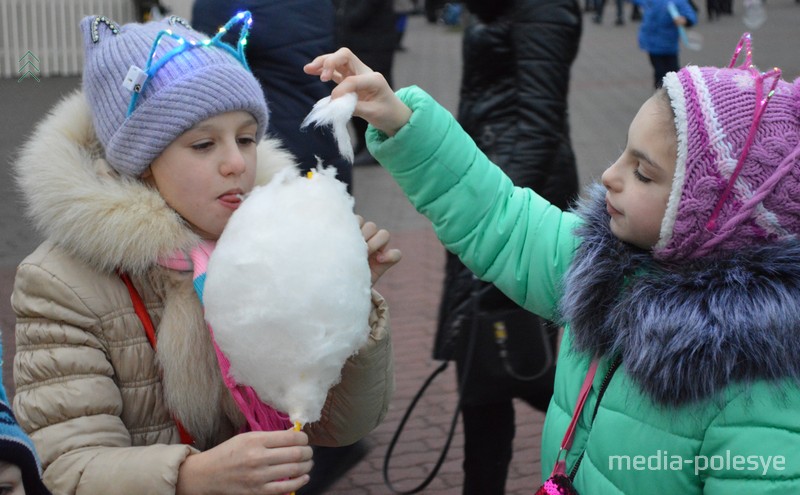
(287, 291)
(335, 113)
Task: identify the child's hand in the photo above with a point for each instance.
(377, 103)
(680, 21)
(380, 257)
(256, 462)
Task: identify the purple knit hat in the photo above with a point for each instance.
(737, 174)
(176, 78)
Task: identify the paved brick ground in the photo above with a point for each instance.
(611, 78)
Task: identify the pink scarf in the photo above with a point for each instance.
(260, 416)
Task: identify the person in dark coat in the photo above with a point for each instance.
(289, 34)
(517, 56)
(367, 27)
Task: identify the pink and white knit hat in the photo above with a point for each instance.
(737, 174)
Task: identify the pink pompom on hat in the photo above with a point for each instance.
(737, 174)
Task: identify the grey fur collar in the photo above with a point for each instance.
(684, 331)
(76, 200)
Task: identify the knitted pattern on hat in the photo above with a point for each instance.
(190, 87)
(714, 110)
(17, 448)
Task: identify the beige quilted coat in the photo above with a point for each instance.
(92, 393)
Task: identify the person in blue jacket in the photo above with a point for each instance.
(658, 33)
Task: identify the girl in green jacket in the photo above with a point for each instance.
(679, 274)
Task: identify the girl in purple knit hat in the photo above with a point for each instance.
(677, 278)
(129, 180)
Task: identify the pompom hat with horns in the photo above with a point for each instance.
(177, 77)
(737, 174)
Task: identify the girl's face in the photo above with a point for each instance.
(638, 184)
(204, 172)
(11, 479)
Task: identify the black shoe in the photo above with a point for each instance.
(619, 22)
(330, 464)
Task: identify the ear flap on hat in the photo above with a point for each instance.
(94, 27)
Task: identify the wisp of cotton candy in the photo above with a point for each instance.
(334, 114)
(287, 290)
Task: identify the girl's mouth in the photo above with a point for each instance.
(611, 210)
(231, 200)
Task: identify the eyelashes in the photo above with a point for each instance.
(206, 145)
(641, 177)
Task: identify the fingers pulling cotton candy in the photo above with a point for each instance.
(287, 291)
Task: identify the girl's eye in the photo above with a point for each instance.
(641, 177)
(246, 140)
(202, 146)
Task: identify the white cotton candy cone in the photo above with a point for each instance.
(287, 291)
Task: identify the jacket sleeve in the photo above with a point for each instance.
(504, 234)
(753, 445)
(685, 9)
(68, 401)
(544, 43)
(358, 404)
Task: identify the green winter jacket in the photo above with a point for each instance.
(745, 439)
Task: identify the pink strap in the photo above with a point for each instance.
(566, 443)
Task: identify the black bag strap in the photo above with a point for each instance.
(473, 300)
(401, 426)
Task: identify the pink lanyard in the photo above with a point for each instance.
(566, 443)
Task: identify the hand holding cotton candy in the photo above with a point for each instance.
(287, 291)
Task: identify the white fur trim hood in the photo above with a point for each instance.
(77, 201)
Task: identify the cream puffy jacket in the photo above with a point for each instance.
(98, 401)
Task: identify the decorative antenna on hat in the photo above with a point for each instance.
(247, 20)
(746, 44)
(137, 78)
(761, 80)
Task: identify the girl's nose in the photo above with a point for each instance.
(611, 177)
(233, 161)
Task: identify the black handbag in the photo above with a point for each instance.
(507, 352)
